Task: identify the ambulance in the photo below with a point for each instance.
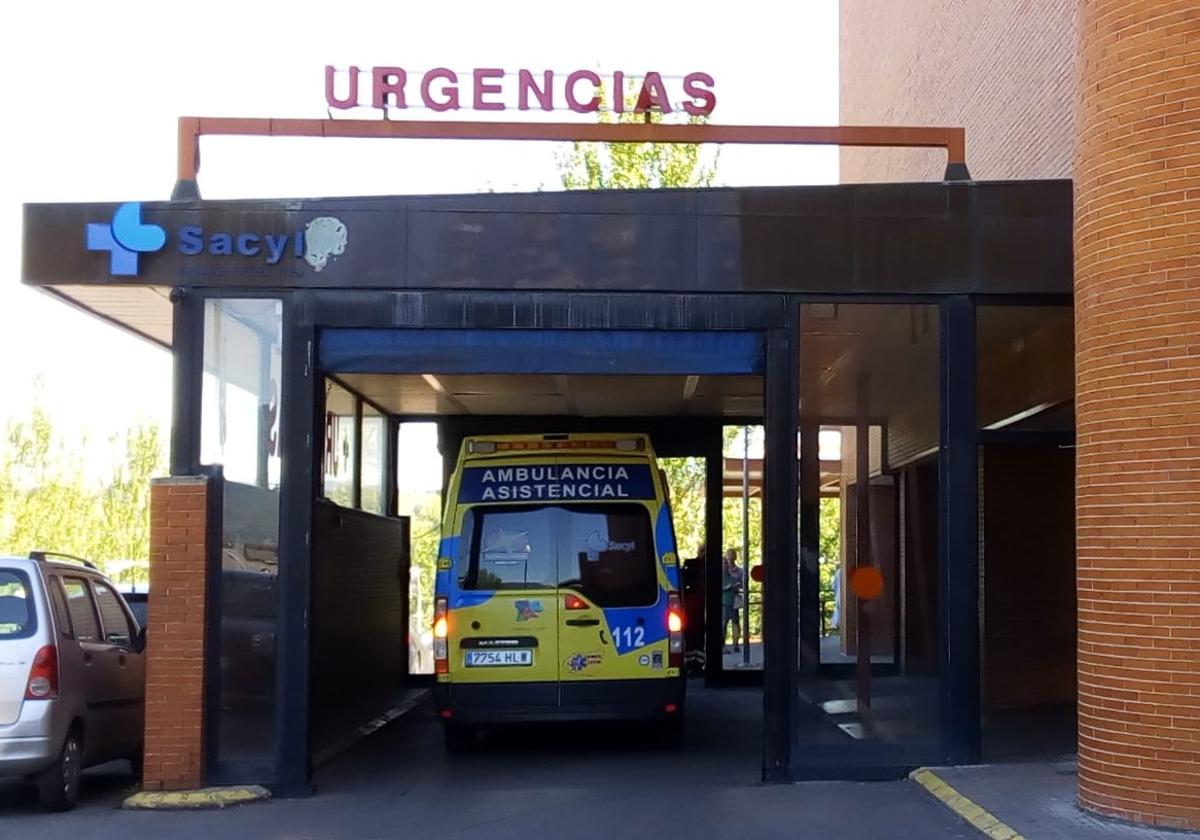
(557, 594)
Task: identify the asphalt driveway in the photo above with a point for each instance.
(577, 782)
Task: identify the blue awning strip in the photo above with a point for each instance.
(464, 351)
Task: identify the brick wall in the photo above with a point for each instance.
(1002, 69)
(175, 634)
(1137, 288)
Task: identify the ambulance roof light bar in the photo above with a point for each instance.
(553, 442)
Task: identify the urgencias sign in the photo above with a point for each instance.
(494, 89)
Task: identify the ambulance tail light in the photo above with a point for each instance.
(441, 632)
(574, 602)
(675, 630)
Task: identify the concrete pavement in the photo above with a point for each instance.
(1038, 800)
(576, 782)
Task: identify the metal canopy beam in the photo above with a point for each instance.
(191, 129)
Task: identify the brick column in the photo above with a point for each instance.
(1137, 299)
(174, 755)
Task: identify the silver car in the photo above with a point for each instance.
(72, 674)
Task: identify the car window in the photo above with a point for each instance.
(18, 616)
(117, 628)
(81, 609)
(61, 617)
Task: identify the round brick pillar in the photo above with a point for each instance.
(1137, 305)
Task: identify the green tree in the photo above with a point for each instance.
(685, 479)
(731, 524)
(46, 501)
(830, 552)
(123, 535)
(425, 523)
(616, 166)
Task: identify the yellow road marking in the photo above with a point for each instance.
(964, 807)
(175, 800)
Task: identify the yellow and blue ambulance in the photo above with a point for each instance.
(557, 594)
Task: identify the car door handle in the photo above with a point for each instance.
(582, 622)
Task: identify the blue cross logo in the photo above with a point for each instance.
(124, 238)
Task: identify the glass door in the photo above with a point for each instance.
(870, 685)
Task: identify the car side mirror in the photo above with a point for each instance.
(139, 641)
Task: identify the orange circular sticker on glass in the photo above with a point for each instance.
(866, 582)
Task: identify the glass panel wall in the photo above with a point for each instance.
(240, 430)
(374, 430)
(239, 426)
(870, 682)
(1025, 367)
(419, 476)
(741, 560)
(340, 432)
(1025, 399)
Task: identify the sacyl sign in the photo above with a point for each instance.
(126, 236)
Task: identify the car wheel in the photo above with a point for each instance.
(58, 784)
(459, 738)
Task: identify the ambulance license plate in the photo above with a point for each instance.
(498, 658)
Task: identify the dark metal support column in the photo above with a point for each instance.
(214, 537)
(810, 545)
(391, 467)
(356, 456)
(714, 496)
(780, 552)
(958, 547)
(302, 454)
(188, 375)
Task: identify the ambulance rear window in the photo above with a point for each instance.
(610, 557)
(605, 552)
(512, 548)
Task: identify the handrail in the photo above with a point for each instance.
(191, 129)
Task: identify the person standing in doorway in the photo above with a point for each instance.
(732, 581)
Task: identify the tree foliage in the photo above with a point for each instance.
(46, 502)
(830, 551)
(623, 166)
(425, 522)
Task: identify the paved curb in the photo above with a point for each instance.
(964, 807)
(195, 800)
